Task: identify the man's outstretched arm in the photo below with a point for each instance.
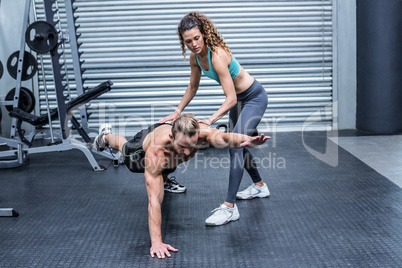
(220, 139)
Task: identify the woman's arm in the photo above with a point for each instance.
(220, 62)
(191, 90)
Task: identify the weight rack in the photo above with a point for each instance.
(65, 116)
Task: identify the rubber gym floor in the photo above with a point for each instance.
(336, 214)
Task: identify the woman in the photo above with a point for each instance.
(246, 101)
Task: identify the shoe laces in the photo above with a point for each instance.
(172, 180)
(250, 188)
(106, 129)
(220, 210)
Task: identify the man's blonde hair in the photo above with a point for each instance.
(185, 124)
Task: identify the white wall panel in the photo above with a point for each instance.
(286, 45)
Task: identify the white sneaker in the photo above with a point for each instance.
(223, 215)
(253, 191)
(104, 129)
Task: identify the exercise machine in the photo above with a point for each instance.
(44, 39)
(24, 143)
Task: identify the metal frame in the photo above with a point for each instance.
(72, 30)
(68, 142)
(23, 151)
(20, 63)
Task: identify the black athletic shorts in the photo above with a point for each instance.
(134, 154)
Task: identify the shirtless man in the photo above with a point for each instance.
(158, 150)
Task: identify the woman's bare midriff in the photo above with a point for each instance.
(242, 81)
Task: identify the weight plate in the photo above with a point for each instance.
(41, 36)
(224, 126)
(26, 101)
(1, 70)
(29, 67)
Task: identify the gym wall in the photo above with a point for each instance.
(379, 62)
(286, 45)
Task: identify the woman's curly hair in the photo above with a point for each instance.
(212, 37)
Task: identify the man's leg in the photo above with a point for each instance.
(106, 138)
(115, 141)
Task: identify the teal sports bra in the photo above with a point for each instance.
(234, 68)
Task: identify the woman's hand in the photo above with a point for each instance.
(168, 118)
(207, 122)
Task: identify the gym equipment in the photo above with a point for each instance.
(67, 142)
(8, 212)
(41, 36)
(17, 159)
(29, 67)
(222, 127)
(75, 54)
(26, 100)
(63, 111)
(1, 70)
(255, 133)
(39, 121)
(20, 64)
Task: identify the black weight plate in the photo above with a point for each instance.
(26, 101)
(1, 70)
(29, 67)
(41, 36)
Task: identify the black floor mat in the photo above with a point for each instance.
(318, 215)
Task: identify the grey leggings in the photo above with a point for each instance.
(244, 118)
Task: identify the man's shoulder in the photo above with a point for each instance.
(157, 138)
(205, 130)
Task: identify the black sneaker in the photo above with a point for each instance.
(171, 185)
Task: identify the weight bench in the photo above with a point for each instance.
(40, 121)
(34, 120)
(68, 143)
